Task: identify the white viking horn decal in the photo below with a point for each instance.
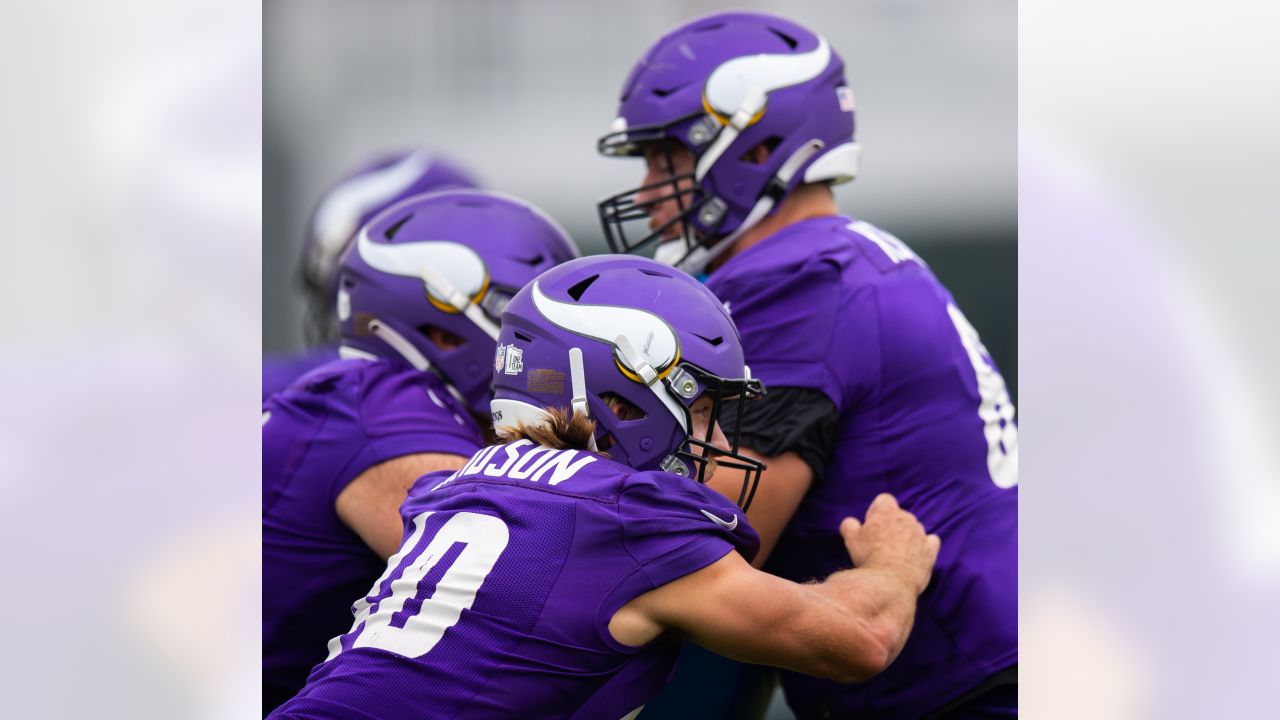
(341, 209)
(653, 339)
(734, 82)
(458, 264)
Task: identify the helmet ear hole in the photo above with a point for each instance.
(759, 154)
(442, 338)
(622, 408)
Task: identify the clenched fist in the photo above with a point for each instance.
(892, 539)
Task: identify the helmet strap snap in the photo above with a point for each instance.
(673, 464)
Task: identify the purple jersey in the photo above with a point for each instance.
(839, 306)
(279, 371)
(317, 436)
(498, 603)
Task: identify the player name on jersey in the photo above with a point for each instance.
(522, 460)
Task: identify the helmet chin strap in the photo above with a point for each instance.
(346, 352)
(400, 344)
(578, 381)
(695, 261)
(413, 355)
(460, 301)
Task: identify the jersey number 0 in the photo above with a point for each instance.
(429, 593)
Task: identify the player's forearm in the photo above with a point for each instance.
(877, 608)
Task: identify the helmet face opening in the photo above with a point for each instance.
(695, 215)
(618, 212)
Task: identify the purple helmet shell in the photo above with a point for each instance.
(445, 261)
(348, 205)
(648, 334)
(722, 86)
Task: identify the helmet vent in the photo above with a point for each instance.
(576, 291)
(663, 92)
(390, 234)
(713, 342)
(522, 336)
(654, 273)
(535, 260)
(790, 41)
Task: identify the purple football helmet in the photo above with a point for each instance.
(722, 86)
(347, 206)
(445, 263)
(640, 331)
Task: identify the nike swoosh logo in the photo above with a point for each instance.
(726, 524)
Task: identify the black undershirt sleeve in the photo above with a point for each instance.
(788, 419)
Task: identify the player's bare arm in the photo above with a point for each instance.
(370, 505)
(847, 628)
